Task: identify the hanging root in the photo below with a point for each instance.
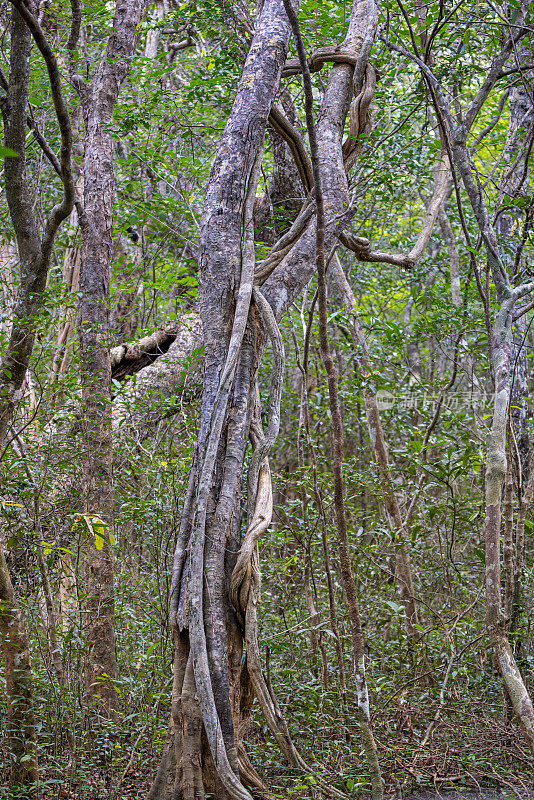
(192, 783)
(250, 777)
(284, 244)
(284, 128)
(335, 54)
(245, 583)
(245, 593)
(265, 442)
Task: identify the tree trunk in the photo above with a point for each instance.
(95, 369)
(380, 449)
(206, 629)
(511, 394)
(207, 724)
(496, 467)
(33, 272)
(98, 100)
(24, 773)
(34, 253)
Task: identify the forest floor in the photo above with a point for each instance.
(477, 758)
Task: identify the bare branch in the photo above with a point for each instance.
(64, 207)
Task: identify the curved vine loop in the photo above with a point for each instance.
(359, 117)
(359, 125)
(320, 57)
(284, 244)
(280, 123)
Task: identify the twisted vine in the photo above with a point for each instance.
(359, 123)
(197, 633)
(245, 582)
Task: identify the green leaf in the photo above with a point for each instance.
(7, 152)
(98, 528)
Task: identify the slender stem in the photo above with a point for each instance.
(337, 424)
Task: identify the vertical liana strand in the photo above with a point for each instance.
(349, 583)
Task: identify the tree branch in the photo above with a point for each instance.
(65, 206)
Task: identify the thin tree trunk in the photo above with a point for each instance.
(303, 366)
(508, 539)
(454, 255)
(501, 348)
(378, 442)
(34, 250)
(525, 500)
(21, 732)
(349, 583)
(34, 253)
(496, 467)
(8, 260)
(98, 100)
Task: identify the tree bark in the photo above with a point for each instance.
(24, 772)
(98, 100)
(34, 251)
(206, 632)
(203, 620)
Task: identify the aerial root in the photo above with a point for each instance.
(249, 776)
(245, 588)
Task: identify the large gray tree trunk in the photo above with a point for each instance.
(188, 764)
(203, 751)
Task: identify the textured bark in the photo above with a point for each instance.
(98, 100)
(34, 251)
(33, 271)
(8, 261)
(508, 539)
(514, 186)
(283, 198)
(129, 358)
(216, 768)
(297, 267)
(216, 478)
(496, 469)
(24, 773)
